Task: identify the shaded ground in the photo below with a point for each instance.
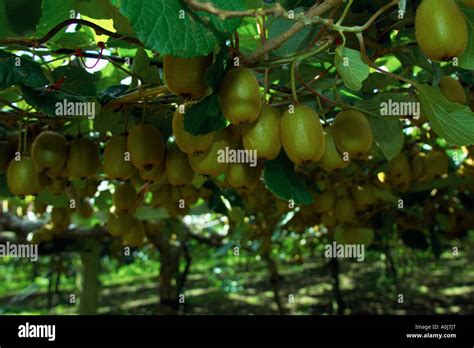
(445, 286)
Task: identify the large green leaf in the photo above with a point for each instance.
(142, 67)
(297, 42)
(20, 70)
(466, 60)
(22, 16)
(77, 80)
(53, 13)
(282, 180)
(386, 130)
(351, 67)
(5, 30)
(205, 116)
(451, 121)
(45, 101)
(168, 27)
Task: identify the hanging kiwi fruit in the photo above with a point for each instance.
(116, 163)
(49, 151)
(441, 29)
(352, 133)
(302, 135)
(125, 198)
(186, 76)
(263, 136)
(145, 145)
(239, 96)
(83, 158)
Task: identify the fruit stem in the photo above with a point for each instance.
(293, 81)
(344, 14)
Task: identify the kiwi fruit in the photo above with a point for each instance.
(146, 146)
(263, 136)
(178, 170)
(135, 237)
(120, 223)
(418, 166)
(332, 159)
(329, 219)
(57, 185)
(7, 151)
(452, 90)
(83, 158)
(302, 135)
(60, 217)
(239, 96)
(441, 29)
(400, 170)
(49, 150)
(344, 210)
(22, 177)
(161, 195)
(186, 76)
(189, 193)
(363, 196)
(155, 175)
(324, 202)
(436, 164)
(242, 176)
(352, 133)
(125, 198)
(116, 167)
(207, 163)
(186, 141)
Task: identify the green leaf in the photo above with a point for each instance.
(22, 15)
(47, 197)
(282, 180)
(45, 101)
(168, 27)
(249, 39)
(109, 120)
(77, 80)
(16, 70)
(297, 42)
(451, 121)
(72, 41)
(53, 13)
(466, 60)
(414, 57)
(103, 9)
(5, 30)
(351, 67)
(388, 135)
(204, 117)
(386, 130)
(141, 66)
(216, 70)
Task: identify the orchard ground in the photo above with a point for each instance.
(240, 285)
